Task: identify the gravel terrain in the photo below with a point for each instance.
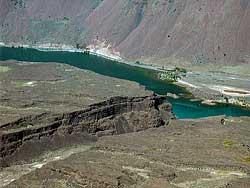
(185, 154)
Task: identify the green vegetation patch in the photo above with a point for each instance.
(172, 75)
(228, 143)
(65, 18)
(245, 159)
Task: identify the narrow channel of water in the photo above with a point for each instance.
(182, 107)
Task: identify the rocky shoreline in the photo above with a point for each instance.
(92, 51)
(212, 97)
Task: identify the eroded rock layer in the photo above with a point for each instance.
(115, 116)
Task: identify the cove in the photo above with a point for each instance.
(182, 107)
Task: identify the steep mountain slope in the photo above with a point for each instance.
(32, 21)
(201, 31)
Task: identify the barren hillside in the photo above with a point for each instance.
(201, 31)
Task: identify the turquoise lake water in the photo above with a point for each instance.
(182, 107)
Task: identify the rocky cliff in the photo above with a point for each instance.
(117, 115)
(199, 31)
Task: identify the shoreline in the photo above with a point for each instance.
(97, 52)
(93, 51)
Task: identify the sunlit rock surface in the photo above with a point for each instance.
(201, 31)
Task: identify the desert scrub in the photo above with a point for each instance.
(172, 75)
(168, 75)
(181, 70)
(65, 18)
(228, 143)
(245, 159)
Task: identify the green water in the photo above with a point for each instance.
(183, 108)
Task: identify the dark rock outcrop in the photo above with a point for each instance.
(117, 115)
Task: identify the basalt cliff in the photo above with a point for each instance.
(117, 115)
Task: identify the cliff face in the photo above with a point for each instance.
(117, 115)
(201, 31)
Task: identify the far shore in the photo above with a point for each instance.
(93, 51)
